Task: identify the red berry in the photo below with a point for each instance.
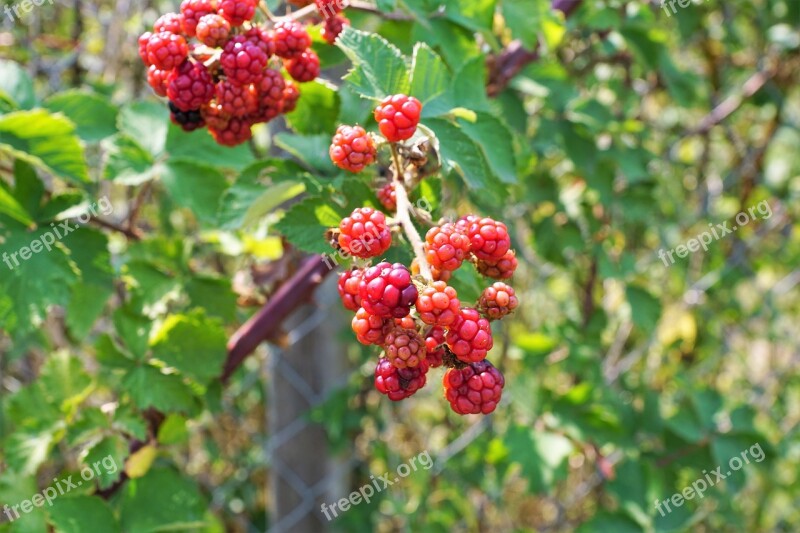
(489, 239)
(143, 40)
(470, 336)
(435, 346)
(436, 273)
(193, 11)
(214, 116)
(399, 383)
(502, 269)
(235, 132)
(397, 117)
(405, 348)
(187, 120)
(262, 38)
(291, 39)
(171, 22)
(213, 30)
(463, 223)
(438, 304)
(446, 247)
(237, 11)
(474, 389)
(387, 290)
(388, 197)
(348, 289)
(365, 233)
(369, 328)
(243, 61)
(497, 301)
(305, 67)
(290, 96)
(236, 100)
(157, 79)
(190, 86)
(333, 27)
(166, 50)
(352, 149)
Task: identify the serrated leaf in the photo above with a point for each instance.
(127, 162)
(317, 111)
(147, 122)
(379, 68)
(78, 514)
(194, 344)
(462, 154)
(496, 142)
(45, 141)
(89, 252)
(309, 149)
(64, 381)
(161, 500)
(305, 224)
(149, 387)
(429, 75)
(200, 147)
(94, 117)
(107, 459)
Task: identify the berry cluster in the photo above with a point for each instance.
(230, 78)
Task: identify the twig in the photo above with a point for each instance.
(402, 216)
(131, 233)
(370, 8)
(137, 205)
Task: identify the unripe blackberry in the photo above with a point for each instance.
(399, 383)
(193, 11)
(435, 346)
(236, 132)
(388, 197)
(237, 12)
(303, 68)
(497, 301)
(291, 39)
(166, 50)
(213, 30)
(237, 100)
(397, 117)
(365, 233)
(369, 328)
(405, 348)
(438, 305)
(502, 269)
(158, 80)
(190, 86)
(348, 288)
(476, 388)
(489, 240)
(290, 96)
(387, 290)
(470, 336)
(352, 148)
(243, 61)
(446, 247)
(171, 22)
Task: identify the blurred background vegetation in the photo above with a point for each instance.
(632, 130)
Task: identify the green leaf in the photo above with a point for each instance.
(161, 500)
(305, 224)
(147, 122)
(149, 387)
(311, 150)
(12, 208)
(429, 74)
(173, 430)
(107, 459)
(542, 456)
(379, 68)
(78, 514)
(200, 147)
(645, 308)
(64, 381)
(496, 142)
(45, 141)
(89, 252)
(214, 295)
(194, 344)
(197, 187)
(16, 84)
(317, 111)
(460, 153)
(94, 117)
(127, 162)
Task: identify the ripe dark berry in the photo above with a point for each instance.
(365, 233)
(470, 336)
(489, 239)
(237, 11)
(369, 329)
(262, 38)
(333, 27)
(291, 39)
(290, 96)
(348, 289)
(497, 301)
(166, 50)
(193, 11)
(435, 346)
(397, 117)
(143, 40)
(352, 148)
(399, 383)
(388, 197)
(438, 305)
(502, 269)
(446, 247)
(190, 86)
(213, 30)
(158, 79)
(236, 100)
(243, 61)
(405, 348)
(236, 132)
(305, 67)
(387, 290)
(171, 22)
(187, 120)
(474, 389)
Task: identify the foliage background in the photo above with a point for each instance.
(630, 132)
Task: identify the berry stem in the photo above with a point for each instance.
(403, 216)
(299, 14)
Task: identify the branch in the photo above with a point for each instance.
(294, 292)
(403, 216)
(131, 233)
